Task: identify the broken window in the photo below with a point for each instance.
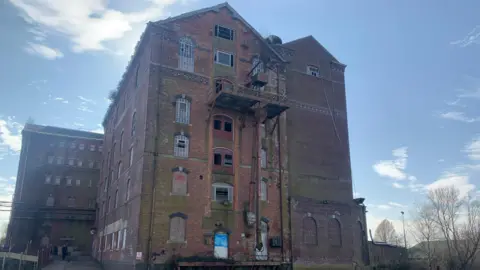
(334, 232)
(179, 183)
(181, 146)
(182, 111)
(309, 231)
(222, 192)
(224, 32)
(177, 229)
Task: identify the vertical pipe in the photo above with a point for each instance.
(280, 173)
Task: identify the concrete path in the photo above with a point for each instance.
(73, 265)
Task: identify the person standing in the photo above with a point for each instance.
(64, 251)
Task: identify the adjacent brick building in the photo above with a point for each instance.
(218, 143)
(54, 199)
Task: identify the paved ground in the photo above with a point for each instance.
(73, 265)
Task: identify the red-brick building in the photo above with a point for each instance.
(54, 199)
(218, 143)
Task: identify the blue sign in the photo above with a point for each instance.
(221, 240)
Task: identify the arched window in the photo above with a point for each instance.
(257, 66)
(116, 199)
(50, 200)
(182, 113)
(134, 124)
(181, 145)
(222, 192)
(309, 231)
(334, 232)
(121, 142)
(127, 191)
(179, 182)
(177, 227)
(119, 169)
(185, 55)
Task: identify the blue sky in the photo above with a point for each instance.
(413, 79)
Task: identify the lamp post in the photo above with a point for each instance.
(404, 234)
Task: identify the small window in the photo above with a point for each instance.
(48, 179)
(217, 124)
(121, 142)
(224, 58)
(71, 201)
(61, 144)
(58, 180)
(59, 160)
(309, 231)
(134, 125)
(119, 242)
(114, 240)
(181, 146)
(90, 183)
(127, 191)
(81, 146)
(50, 200)
(222, 192)
(223, 32)
(313, 71)
(177, 229)
(334, 232)
(71, 161)
(100, 148)
(50, 159)
(92, 147)
(227, 126)
(120, 168)
(124, 238)
(73, 145)
(130, 160)
(263, 190)
(77, 182)
(182, 111)
(228, 160)
(79, 163)
(69, 180)
(91, 164)
(263, 158)
(116, 199)
(257, 66)
(217, 159)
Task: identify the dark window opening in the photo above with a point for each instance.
(218, 86)
(228, 127)
(181, 144)
(217, 159)
(223, 32)
(217, 124)
(228, 160)
(221, 194)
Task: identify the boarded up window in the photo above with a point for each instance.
(309, 231)
(177, 229)
(334, 233)
(179, 183)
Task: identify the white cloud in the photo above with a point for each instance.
(44, 51)
(78, 124)
(87, 23)
(473, 37)
(397, 185)
(84, 108)
(458, 116)
(86, 100)
(387, 206)
(473, 149)
(99, 129)
(458, 180)
(10, 137)
(393, 168)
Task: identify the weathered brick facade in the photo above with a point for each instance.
(63, 165)
(168, 188)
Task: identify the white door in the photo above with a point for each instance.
(262, 254)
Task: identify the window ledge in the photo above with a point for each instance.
(176, 242)
(178, 194)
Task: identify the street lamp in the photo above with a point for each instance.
(404, 234)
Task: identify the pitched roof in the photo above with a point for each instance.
(311, 38)
(217, 8)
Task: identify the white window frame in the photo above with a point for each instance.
(179, 151)
(73, 145)
(257, 69)
(182, 116)
(68, 180)
(50, 159)
(100, 148)
(81, 146)
(58, 180)
(71, 162)
(263, 158)
(79, 163)
(263, 190)
(186, 59)
(313, 71)
(92, 147)
(231, 58)
(222, 185)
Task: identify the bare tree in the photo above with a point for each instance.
(458, 220)
(425, 231)
(385, 232)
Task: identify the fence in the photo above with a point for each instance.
(21, 261)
